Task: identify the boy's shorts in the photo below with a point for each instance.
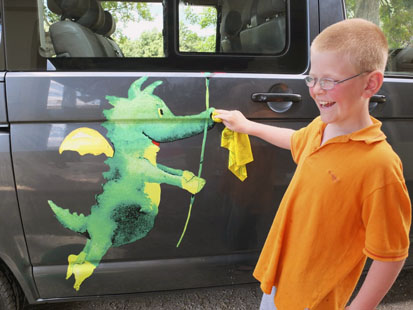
(267, 301)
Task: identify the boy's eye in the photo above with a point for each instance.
(160, 112)
(310, 81)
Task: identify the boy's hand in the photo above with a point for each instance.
(236, 121)
(233, 120)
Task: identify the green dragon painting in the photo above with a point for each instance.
(126, 209)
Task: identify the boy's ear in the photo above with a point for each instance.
(374, 83)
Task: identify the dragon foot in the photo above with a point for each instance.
(80, 267)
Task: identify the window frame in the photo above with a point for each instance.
(2, 48)
(294, 60)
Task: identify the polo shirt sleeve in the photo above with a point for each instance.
(386, 216)
(298, 143)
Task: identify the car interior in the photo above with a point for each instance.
(84, 29)
(251, 26)
(245, 27)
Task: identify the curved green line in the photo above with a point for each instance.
(201, 160)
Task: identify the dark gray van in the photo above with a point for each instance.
(112, 178)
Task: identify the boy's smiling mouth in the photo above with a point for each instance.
(326, 104)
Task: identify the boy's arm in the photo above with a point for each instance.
(236, 121)
(378, 282)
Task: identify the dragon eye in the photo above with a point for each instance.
(160, 112)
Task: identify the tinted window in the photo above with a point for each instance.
(233, 27)
(175, 35)
(396, 20)
(101, 29)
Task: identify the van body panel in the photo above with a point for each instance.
(239, 217)
(13, 244)
(43, 100)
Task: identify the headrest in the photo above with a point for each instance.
(71, 9)
(94, 17)
(88, 13)
(232, 23)
(109, 26)
(406, 55)
(54, 7)
(246, 11)
(268, 8)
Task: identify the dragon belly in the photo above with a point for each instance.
(153, 191)
(132, 223)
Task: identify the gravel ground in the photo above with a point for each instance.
(237, 297)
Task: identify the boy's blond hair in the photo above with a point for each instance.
(361, 41)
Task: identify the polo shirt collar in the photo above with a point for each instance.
(369, 134)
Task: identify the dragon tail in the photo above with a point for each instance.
(73, 221)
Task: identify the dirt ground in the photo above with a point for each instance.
(238, 297)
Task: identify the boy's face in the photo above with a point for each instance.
(344, 105)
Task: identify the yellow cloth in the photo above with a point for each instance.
(239, 147)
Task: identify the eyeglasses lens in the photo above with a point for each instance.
(325, 83)
(310, 81)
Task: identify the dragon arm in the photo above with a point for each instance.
(169, 170)
(183, 179)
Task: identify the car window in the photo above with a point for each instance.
(101, 29)
(135, 29)
(395, 18)
(232, 27)
(267, 36)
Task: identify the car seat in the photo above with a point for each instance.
(231, 26)
(266, 32)
(404, 60)
(83, 30)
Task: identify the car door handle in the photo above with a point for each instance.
(378, 98)
(275, 97)
(277, 102)
(375, 101)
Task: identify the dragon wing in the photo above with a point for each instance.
(86, 141)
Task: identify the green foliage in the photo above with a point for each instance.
(207, 17)
(189, 41)
(128, 11)
(350, 8)
(149, 44)
(396, 21)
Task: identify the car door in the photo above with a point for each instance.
(61, 94)
(14, 259)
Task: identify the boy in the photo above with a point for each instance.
(347, 200)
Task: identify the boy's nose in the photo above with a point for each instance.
(316, 89)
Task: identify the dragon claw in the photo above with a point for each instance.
(82, 272)
(192, 183)
(71, 260)
(80, 267)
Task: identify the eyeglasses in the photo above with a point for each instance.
(326, 83)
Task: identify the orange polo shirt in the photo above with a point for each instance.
(347, 200)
